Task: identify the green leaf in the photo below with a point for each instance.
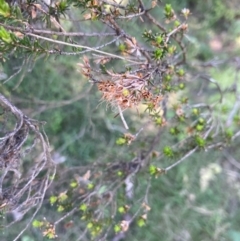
(37, 224)
(152, 170)
(201, 121)
(121, 141)
(4, 9)
(117, 228)
(167, 150)
(159, 39)
(63, 6)
(121, 210)
(158, 54)
(168, 77)
(83, 207)
(141, 222)
(199, 127)
(73, 184)
(53, 199)
(174, 131)
(50, 235)
(195, 111)
(90, 225)
(168, 11)
(181, 72)
(120, 173)
(181, 86)
(62, 197)
(176, 23)
(60, 208)
(168, 8)
(5, 35)
(122, 47)
(159, 121)
(90, 186)
(200, 141)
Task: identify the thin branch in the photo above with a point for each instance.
(79, 46)
(65, 216)
(132, 15)
(6, 104)
(122, 117)
(233, 112)
(50, 32)
(85, 51)
(174, 31)
(34, 214)
(181, 160)
(16, 73)
(211, 80)
(236, 135)
(154, 21)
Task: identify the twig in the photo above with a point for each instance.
(181, 160)
(233, 111)
(49, 32)
(96, 48)
(34, 214)
(174, 31)
(16, 73)
(79, 46)
(122, 117)
(65, 216)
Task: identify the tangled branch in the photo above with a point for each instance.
(22, 187)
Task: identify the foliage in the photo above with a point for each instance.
(110, 193)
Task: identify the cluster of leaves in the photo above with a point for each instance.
(48, 230)
(145, 83)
